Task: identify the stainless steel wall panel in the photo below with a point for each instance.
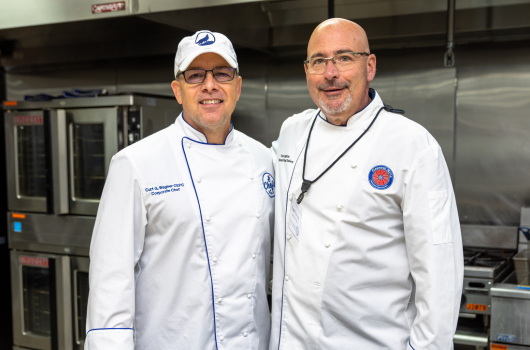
(287, 94)
(428, 98)
(492, 143)
(250, 115)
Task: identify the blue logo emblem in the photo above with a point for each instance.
(381, 177)
(204, 38)
(268, 184)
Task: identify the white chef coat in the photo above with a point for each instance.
(375, 264)
(180, 253)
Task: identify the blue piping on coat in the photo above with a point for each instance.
(204, 236)
(102, 329)
(285, 241)
(411, 345)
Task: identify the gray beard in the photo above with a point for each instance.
(330, 111)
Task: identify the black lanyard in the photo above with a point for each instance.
(306, 183)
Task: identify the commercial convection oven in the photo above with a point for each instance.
(58, 152)
(58, 156)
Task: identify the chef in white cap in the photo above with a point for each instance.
(180, 252)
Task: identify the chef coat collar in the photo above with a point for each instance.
(198, 136)
(363, 114)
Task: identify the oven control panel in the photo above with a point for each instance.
(133, 126)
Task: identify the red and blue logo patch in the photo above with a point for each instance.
(381, 177)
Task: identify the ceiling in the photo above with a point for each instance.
(153, 28)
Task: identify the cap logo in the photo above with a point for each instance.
(204, 38)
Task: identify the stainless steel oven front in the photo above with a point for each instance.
(42, 312)
(58, 153)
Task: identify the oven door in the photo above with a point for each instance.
(41, 291)
(80, 290)
(93, 140)
(36, 161)
(26, 161)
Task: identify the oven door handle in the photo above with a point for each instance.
(53, 303)
(56, 161)
(60, 303)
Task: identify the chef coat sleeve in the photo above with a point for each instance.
(434, 248)
(117, 243)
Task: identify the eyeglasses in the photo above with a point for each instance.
(343, 61)
(197, 76)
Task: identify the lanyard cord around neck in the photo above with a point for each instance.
(306, 183)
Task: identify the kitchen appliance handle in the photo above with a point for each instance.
(76, 309)
(56, 161)
(53, 303)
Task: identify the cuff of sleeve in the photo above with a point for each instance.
(110, 338)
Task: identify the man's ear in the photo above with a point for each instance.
(239, 82)
(370, 67)
(175, 85)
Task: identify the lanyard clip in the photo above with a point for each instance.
(305, 187)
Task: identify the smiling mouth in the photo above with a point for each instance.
(333, 90)
(209, 102)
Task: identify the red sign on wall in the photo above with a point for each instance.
(108, 7)
(28, 119)
(33, 261)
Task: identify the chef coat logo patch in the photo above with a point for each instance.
(268, 184)
(204, 38)
(381, 177)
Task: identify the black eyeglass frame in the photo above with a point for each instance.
(206, 73)
(332, 58)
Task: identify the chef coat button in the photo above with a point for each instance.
(208, 218)
(253, 256)
(249, 296)
(245, 334)
(327, 244)
(258, 215)
(214, 259)
(251, 177)
(188, 144)
(354, 166)
(239, 143)
(289, 237)
(339, 207)
(220, 300)
(221, 338)
(287, 278)
(199, 180)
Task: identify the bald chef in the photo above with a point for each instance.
(368, 251)
(181, 247)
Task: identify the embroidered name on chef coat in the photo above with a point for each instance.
(158, 190)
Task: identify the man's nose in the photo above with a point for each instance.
(331, 70)
(209, 84)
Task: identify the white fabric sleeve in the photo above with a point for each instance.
(117, 242)
(434, 248)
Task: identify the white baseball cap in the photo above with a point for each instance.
(202, 42)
